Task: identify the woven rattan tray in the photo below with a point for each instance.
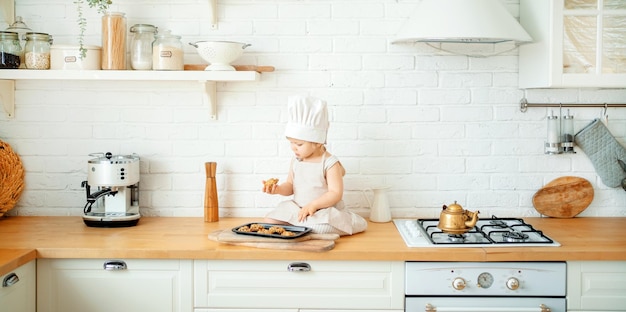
(11, 178)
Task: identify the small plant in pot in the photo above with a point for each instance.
(101, 5)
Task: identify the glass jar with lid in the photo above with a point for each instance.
(167, 52)
(10, 50)
(21, 29)
(37, 51)
(114, 41)
(141, 46)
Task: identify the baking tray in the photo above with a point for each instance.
(298, 231)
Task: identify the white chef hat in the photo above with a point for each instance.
(307, 119)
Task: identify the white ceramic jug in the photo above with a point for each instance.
(379, 208)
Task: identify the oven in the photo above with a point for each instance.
(485, 286)
(481, 286)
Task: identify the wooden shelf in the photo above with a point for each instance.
(189, 75)
(207, 79)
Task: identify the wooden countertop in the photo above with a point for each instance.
(10, 259)
(186, 238)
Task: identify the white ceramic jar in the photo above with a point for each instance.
(68, 57)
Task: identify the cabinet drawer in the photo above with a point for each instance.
(19, 293)
(133, 285)
(247, 310)
(596, 285)
(270, 284)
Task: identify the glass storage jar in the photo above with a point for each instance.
(141, 46)
(167, 52)
(37, 51)
(21, 29)
(114, 40)
(10, 50)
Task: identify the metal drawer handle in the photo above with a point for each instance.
(541, 308)
(10, 280)
(115, 265)
(299, 267)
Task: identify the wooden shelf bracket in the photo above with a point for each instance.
(8, 8)
(213, 13)
(7, 96)
(209, 97)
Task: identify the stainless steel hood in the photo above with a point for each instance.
(461, 21)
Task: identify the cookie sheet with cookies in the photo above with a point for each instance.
(272, 230)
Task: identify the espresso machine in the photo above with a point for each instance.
(114, 180)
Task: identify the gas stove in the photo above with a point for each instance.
(494, 232)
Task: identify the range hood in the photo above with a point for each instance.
(461, 21)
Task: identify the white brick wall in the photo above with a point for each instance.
(436, 127)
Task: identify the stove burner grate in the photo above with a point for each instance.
(515, 237)
(456, 238)
(486, 232)
(497, 223)
(439, 237)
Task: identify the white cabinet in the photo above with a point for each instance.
(298, 286)
(249, 310)
(18, 290)
(295, 310)
(363, 310)
(597, 286)
(575, 44)
(101, 285)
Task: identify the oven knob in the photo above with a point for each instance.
(512, 283)
(458, 283)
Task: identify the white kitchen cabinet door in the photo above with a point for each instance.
(576, 44)
(596, 286)
(245, 310)
(377, 310)
(83, 285)
(18, 289)
(290, 310)
(339, 285)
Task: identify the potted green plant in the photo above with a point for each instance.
(101, 5)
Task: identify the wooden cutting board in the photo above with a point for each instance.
(311, 245)
(564, 197)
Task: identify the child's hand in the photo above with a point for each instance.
(305, 212)
(270, 185)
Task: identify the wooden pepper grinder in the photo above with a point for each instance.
(211, 208)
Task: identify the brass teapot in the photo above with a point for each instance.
(454, 220)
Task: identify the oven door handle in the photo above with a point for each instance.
(541, 308)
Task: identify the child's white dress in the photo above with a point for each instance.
(309, 183)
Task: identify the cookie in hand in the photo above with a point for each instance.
(269, 183)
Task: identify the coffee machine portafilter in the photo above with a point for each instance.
(115, 202)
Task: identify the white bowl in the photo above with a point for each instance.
(219, 54)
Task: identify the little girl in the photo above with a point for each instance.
(315, 176)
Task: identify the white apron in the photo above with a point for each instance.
(309, 183)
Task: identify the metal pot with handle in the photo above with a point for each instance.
(455, 220)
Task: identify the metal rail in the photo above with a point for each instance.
(524, 105)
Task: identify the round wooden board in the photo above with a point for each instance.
(564, 197)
